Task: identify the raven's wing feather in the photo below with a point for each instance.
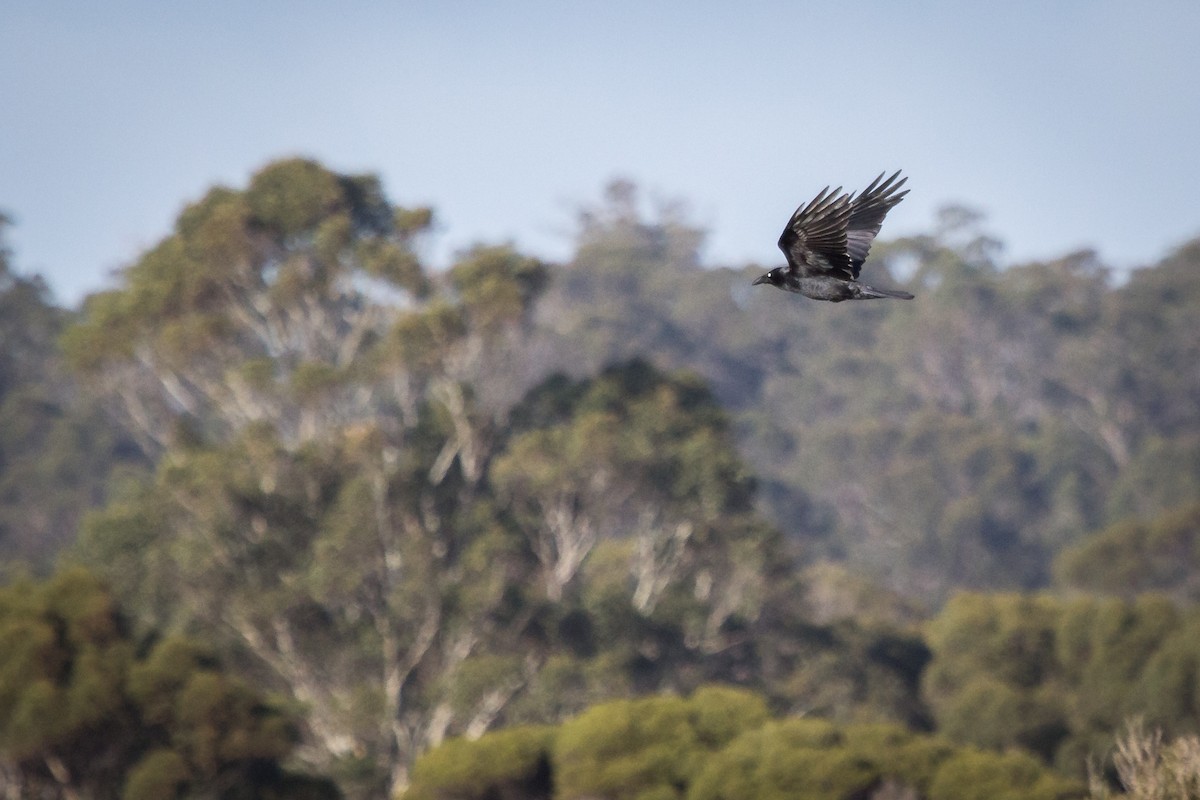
(866, 216)
(814, 240)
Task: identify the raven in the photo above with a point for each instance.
(826, 243)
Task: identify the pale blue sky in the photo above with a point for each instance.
(1067, 123)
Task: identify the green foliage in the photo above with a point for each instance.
(642, 748)
(300, 270)
(720, 713)
(497, 284)
(57, 451)
(353, 501)
(974, 775)
(1056, 677)
(85, 709)
(959, 441)
(634, 455)
(1133, 557)
(510, 763)
(793, 758)
(290, 197)
(358, 559)
(905, 758)
(813, 759)
(665, 747)
(160, 774)
(64, 661)
(627, 749)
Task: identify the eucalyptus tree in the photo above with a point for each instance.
(324, 410)
(261, 305)
(643, 464)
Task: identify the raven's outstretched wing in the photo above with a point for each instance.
(814, 240)
(866, 217)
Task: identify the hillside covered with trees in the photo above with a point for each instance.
(964, 439)
(351, 522)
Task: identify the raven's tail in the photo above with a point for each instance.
(870, 292)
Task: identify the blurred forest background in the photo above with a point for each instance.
(287, 514)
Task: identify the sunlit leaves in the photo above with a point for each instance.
(667, 747)
(634, 748)
(515, 761)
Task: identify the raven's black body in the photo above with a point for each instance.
(827, 241)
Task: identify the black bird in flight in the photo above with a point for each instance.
(826, 243)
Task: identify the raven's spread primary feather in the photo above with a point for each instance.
(827, 241)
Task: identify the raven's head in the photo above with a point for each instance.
(774, 277)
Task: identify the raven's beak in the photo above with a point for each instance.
(762, 279)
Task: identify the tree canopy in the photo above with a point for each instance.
(961, 441)
(479, 530)
(722, 744)
(87, 710)
(1059, 677)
